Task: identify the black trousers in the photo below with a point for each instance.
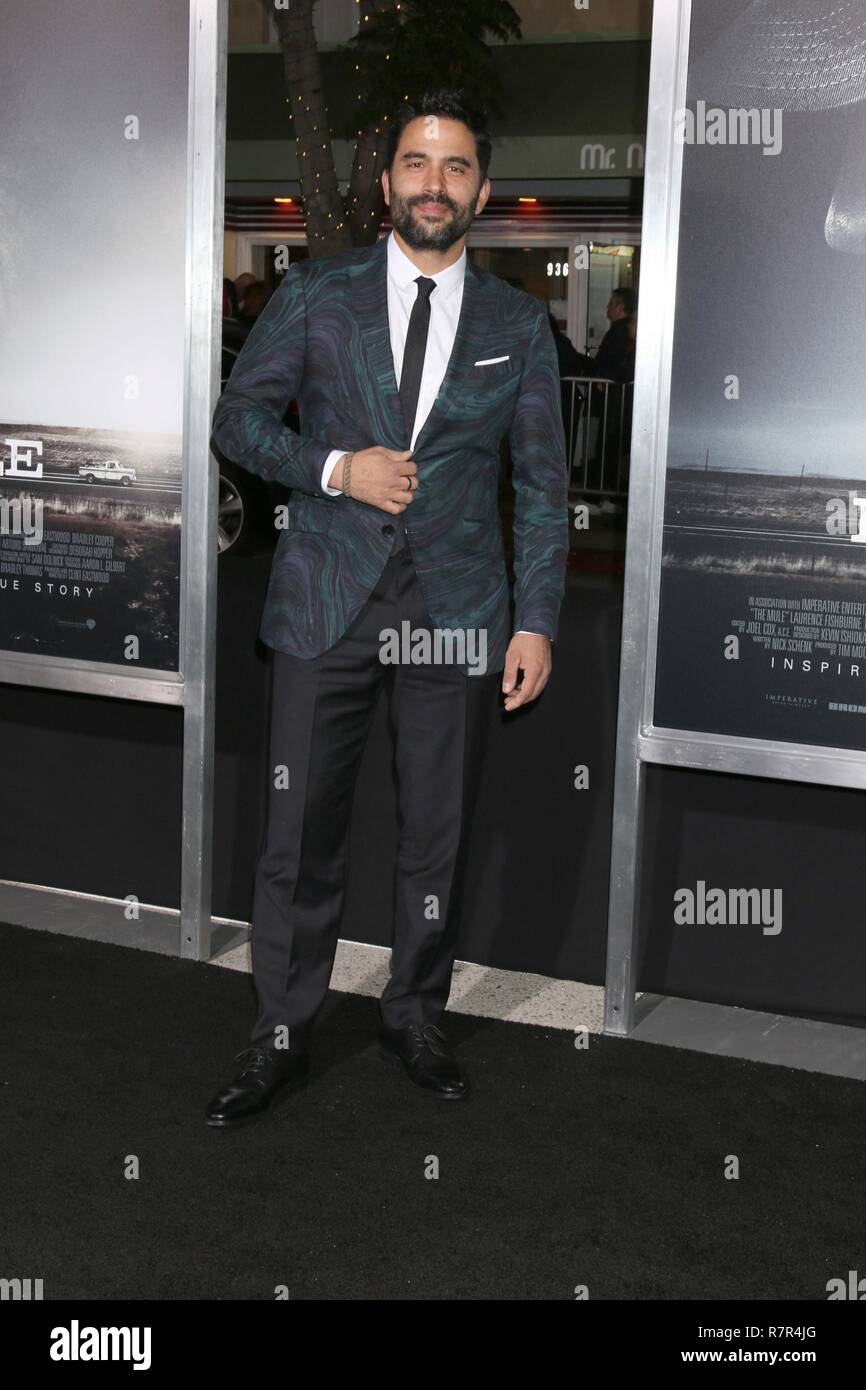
(320, 717)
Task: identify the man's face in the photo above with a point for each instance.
(433, 188)
(614, 309)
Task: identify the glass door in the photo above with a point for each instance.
(541, 271)
(611, 267)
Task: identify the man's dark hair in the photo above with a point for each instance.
(628, 300)
(448, 105)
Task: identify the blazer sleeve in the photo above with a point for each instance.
(248, 424)
(536, 440)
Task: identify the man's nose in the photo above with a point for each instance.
(845, 224)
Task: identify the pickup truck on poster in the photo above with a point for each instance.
(108, 471)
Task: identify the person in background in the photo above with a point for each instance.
(236, 328)
(615, 345)
(626, 373)
(256, 296)
(613, 360)
(230, 299)
(628, 365)
(627, 379)
(242, 283)
(569, 363)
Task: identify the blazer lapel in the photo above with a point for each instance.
(476, 311)
(369, 292)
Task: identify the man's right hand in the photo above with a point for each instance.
(383, 478)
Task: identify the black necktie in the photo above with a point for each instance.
(410, 376)
(413, 353)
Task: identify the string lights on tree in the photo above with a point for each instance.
(395, 35)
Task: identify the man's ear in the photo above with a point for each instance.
(483, 195)
(385, 189)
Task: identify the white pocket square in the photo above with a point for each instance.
(489, 361)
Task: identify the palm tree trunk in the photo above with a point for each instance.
(366, 200)
(328, 229)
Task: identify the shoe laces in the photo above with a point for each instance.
(428, 1035)
(253, 1059)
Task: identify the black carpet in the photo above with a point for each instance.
(602, 1167)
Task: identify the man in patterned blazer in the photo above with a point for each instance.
(409, 365)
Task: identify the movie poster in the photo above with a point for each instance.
(762, 618)
(93, 172)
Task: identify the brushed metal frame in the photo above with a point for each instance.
(190, 688)
(205, 216)
(639, 740)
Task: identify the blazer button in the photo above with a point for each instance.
(387, 529)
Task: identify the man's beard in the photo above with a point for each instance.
(423, 236)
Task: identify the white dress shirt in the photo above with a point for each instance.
(445, 302)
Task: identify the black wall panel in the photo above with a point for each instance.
(91, 801)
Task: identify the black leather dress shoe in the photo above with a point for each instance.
(263, 1071)
(426, 1059)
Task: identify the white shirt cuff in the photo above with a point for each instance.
(332, 458)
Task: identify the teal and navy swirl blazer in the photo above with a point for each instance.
(324, 341)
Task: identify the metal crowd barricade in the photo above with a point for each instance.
(597, 416)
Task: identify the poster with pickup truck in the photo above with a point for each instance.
(92, 306)
(90, 544)
(762, 612)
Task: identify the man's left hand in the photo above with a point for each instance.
(531, 655)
